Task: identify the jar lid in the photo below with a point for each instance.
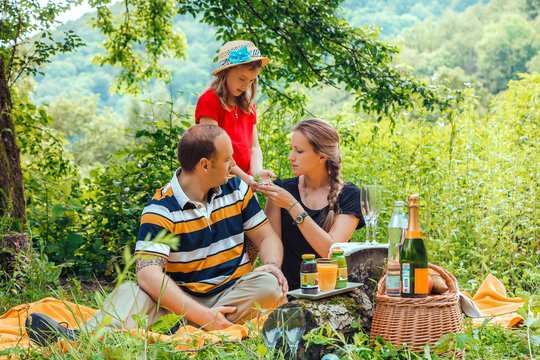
(337, 251)
(308, 256)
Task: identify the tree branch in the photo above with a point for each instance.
(14, 47)
(283, 33)
(282, 94)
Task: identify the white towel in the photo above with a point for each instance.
(352, 247)
(469, 307)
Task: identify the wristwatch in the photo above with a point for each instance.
(298, 219)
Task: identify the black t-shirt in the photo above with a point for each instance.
(294, 243)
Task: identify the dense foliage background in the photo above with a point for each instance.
(91, 158)
(474, 166)
(478, 42)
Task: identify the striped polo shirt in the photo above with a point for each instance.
(211, 254)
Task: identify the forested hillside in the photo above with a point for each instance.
(74, 73)
(394, 16)
(486, 45)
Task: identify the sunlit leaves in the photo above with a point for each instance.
(308, 41)
(26, 40)
(138, 39)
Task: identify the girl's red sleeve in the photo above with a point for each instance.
(208, 105)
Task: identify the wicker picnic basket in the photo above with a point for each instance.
(418, 321)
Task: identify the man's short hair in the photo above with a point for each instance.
(196, 143)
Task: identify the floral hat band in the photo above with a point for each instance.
(238, 52)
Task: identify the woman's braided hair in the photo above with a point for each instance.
(325, 140)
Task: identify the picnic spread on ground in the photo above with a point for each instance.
(490, 298)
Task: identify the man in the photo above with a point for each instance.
(208, 279)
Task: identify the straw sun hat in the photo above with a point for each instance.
(238, 52)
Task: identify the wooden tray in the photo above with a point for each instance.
(322, 294)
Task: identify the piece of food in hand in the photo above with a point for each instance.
(439, 285)
(262, 181)
(257, 179)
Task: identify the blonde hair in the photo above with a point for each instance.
(246, 99)
(324, 139)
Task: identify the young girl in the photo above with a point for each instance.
(229, 103)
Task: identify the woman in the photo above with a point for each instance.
(316, 208)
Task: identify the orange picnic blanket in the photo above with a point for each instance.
(491, 299)
(13, 334)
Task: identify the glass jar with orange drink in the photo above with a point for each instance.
(327, 273)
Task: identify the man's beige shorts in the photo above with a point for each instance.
(129, 299)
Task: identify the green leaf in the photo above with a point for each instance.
(165, 323)
(535, 339)
(261, 349)
(531, 322)
(58, 210)
(427, 352)
(43, 114)
(74, 242)
(54, 274)
(75, 204)
(523, 312)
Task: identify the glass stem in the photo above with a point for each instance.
(367, 232)
(271, 351)
(294, 349)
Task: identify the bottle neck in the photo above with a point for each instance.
(414, 231)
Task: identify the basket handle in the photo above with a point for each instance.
(450, 280)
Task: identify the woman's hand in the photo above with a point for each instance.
(278, 195)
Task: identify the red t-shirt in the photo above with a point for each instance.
(239, 130)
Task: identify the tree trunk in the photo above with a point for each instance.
(12, 200)
(12, 247)
(340, 311)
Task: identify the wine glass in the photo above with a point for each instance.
(374, 195)
(365, 208)
(272, 330)
(294, 326)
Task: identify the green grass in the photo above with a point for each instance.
(485, 342)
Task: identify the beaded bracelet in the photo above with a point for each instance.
(274, 264)
(290, 207)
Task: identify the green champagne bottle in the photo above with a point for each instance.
(413, 257)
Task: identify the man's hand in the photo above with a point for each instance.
(216, 320)
(274, 270)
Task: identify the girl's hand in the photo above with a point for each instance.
(265, 176)
(279, 195)
(252, 182)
